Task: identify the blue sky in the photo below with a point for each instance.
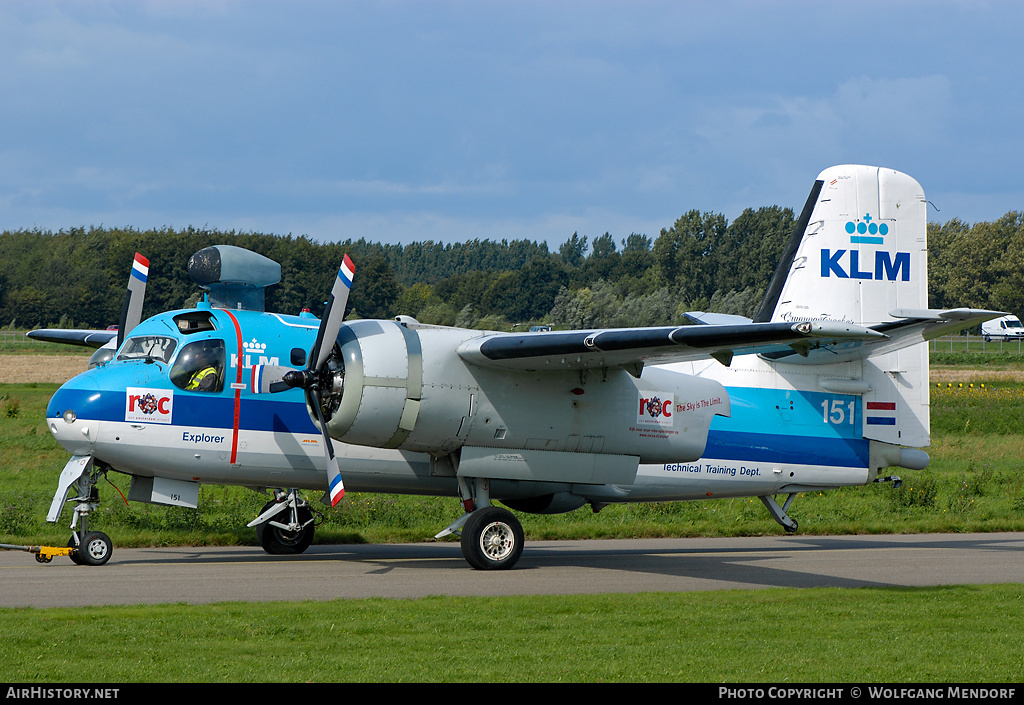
(410, 121)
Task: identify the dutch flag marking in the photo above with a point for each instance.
(347, 272)
(140, 268)
(336, 490)
(881, 413)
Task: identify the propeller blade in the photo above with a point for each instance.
(273, 378)
(335, 487)
(131, 309)
(334, 314)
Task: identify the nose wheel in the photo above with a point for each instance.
(94, 548)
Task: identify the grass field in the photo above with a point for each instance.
(956, 634)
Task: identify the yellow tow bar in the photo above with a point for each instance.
(44, 554)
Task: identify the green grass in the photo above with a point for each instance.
(37, 347)
(951, 634)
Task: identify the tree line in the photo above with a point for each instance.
(77, 277)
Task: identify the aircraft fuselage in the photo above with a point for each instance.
(592, 434)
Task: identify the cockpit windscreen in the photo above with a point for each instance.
(158, 348)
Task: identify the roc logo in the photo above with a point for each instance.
(866, 232)
(148, 405)
(656, 410)
(655, 407)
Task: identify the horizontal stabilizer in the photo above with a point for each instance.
(913, 327)
(938, 322)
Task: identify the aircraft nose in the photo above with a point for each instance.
(73, 417)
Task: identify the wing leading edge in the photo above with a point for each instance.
(621, 347)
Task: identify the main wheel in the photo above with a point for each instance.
(492, 539)
(280, 542)
(95, 549)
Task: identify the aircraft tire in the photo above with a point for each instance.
(95, 549)
(278, 542)
(74, 554)
(492, 539)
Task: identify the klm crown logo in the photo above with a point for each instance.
(866, 232)
(847, 264)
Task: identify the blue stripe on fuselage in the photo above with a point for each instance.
(790, 450)
(194, 409)
(772, 426)
(790, 426)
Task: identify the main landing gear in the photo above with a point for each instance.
(285, 526)
(492, 537)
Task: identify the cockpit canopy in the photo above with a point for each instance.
(197, 360)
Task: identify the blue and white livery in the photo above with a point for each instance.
(825, 387)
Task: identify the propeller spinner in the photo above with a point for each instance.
(316, 379)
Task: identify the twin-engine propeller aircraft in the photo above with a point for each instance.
(826, 387)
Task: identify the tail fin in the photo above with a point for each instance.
(858, 252)
(859, 255)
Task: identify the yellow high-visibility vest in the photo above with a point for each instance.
(199, 376)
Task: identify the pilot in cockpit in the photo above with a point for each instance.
(200, 366)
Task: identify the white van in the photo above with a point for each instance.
(1005, 328)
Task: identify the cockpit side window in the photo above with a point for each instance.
(152, 348)
(200, 366)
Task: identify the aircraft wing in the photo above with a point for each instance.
(621, 347)
(88, 338)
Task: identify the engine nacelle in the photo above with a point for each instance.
(406, 387)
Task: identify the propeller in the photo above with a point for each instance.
(131, 309)
(316, 379)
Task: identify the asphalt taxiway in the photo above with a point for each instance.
(219, 574)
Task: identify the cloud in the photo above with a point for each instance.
(450, 116)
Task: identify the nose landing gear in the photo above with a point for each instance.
(86, 547)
